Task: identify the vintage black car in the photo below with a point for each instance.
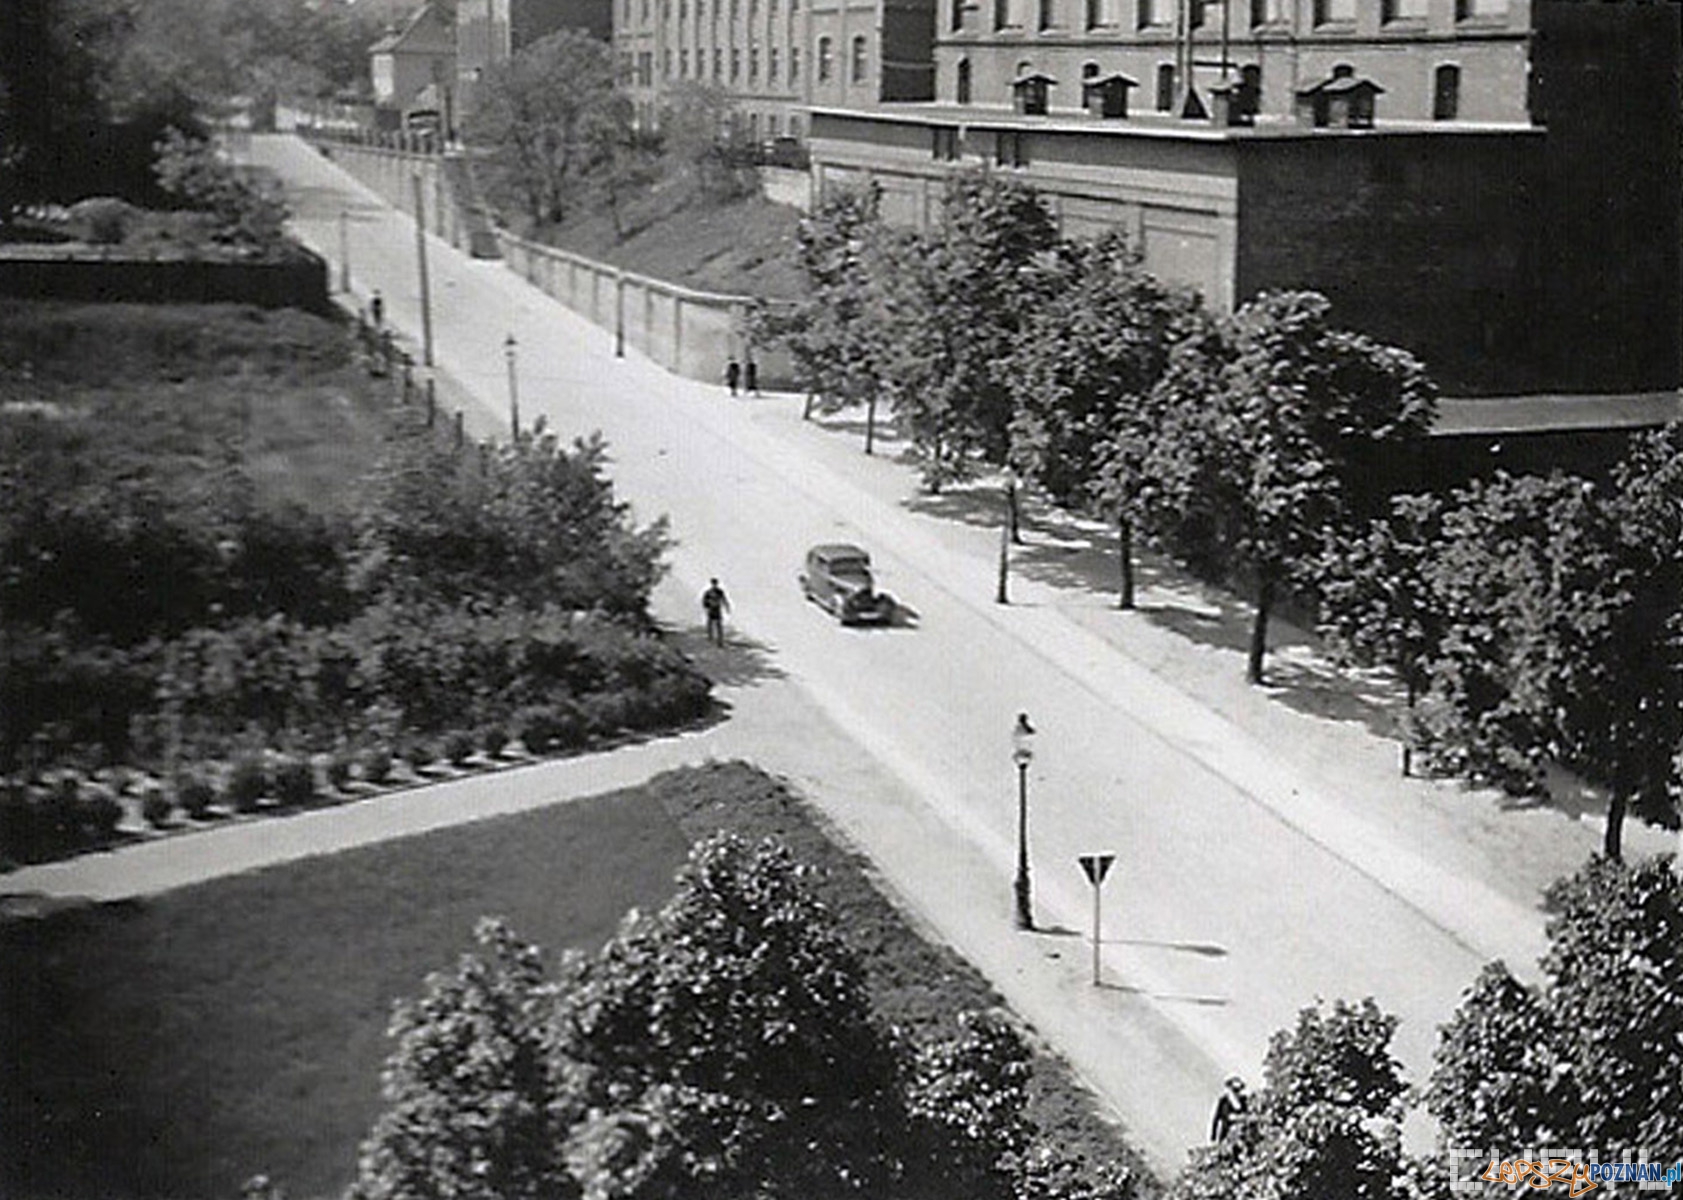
(838, 579)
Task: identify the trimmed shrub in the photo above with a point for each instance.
(494, 739)
(194, 793)
(59, 811)
(295, 780)
(157, 807)
(419, 752)
(338, 770)
(458, 747)
(247, 784)
(100, 812)
(536, 728)
(376, 764)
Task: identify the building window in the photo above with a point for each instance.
(753, 11)
(666, 62)
(961, 87)
(1156, 12)
(643, 12)
(753, 64)
(1403, 10)
(683, 64)
(958, 15)
(794, 64)
(1100, 14)
(1446, 93)
(1046, 15)
(1480, 10)
(857, 70)
(734, 10)
(1335, 12)
(753, 127)
(1001, 13)
(771, 125)
(944, 143)
(1165, 87)
(735, 63)
(718, 64)
(771, 65)
(794, 125)
(824, 64)
(1270, 12)
(1009, 150)
(1089, 70)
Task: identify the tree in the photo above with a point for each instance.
(551, 116)
(832, 333)
(1327, 1121)
(1547, 655)
(1593, 1059)
(541, 524)
(248, 209)
(740, 992)
(1267, 422)
(472, 1111)
(1082, 372)
(952, 302)
(1377, 606)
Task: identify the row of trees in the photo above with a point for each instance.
(1537, 621)
(1589, 1064)
(723, 1047)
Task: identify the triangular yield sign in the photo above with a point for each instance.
(1096, 866)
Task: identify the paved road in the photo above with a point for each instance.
(1240, 895)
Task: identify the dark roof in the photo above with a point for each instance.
(840, 550)
(1032, 78)
(1113, 77)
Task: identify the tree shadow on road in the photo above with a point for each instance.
(741, 662)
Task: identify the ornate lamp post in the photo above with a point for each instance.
(509, 345)
(1022, 754)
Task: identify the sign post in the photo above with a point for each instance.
(1096, 867)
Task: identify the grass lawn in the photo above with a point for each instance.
(174, 1047)
(171, 390)
(744, 246)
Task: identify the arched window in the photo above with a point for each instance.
(1089, 70)
(1446, 93)
(825, 65)
(961, 89)
(857, 65)
(1165, 87)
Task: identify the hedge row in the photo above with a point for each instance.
(64, 813)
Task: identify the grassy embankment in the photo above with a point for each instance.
(174, 1046)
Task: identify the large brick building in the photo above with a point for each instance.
(776, 58)
(1493, 183)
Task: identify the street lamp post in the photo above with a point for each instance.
(509, 346)
(1022, 754)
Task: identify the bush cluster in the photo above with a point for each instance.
(54, 817)
(160, 617)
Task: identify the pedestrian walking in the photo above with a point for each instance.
(751, 378)
(733, 375)
(715, 604)
(377, 308)
(1230, 1106)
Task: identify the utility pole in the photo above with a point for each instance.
(513, 389)
(421, 264)
(344, 251)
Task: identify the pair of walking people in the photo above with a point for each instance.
(737, 378)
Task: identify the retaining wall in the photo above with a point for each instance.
(689, 333)
(38, 273)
